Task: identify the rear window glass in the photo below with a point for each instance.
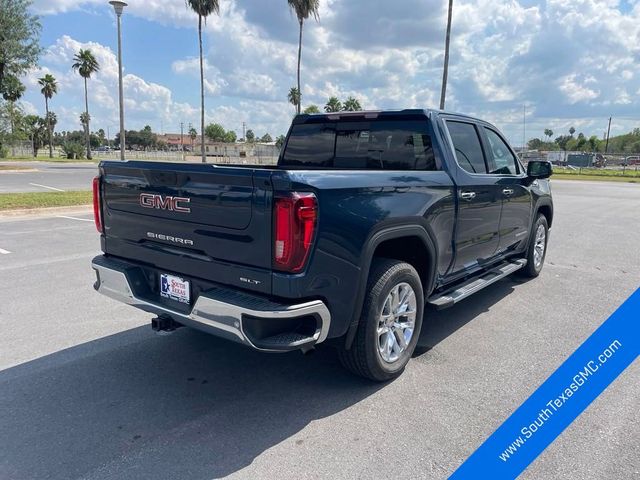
(381, 145)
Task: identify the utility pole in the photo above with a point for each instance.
(244, 132)
(182, 140)
(606, 148)
(524, 127)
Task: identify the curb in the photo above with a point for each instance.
(46, 211)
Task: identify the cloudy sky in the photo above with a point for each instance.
(572, 63)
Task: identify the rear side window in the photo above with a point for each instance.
(378, 145)
(310, 146)
(503, 162)
(467, 146)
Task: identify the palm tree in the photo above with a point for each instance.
(445, 73)
(294, 98)
(13, 91)
(333, 105)
(193, 134)
(86, 65)
(548, 133)
(304, 9)
(203, 8)
(351, 104)
(572, 131)
(49, 89)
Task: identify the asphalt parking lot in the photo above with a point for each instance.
(87, 390)
(47, 177)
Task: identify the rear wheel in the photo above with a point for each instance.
(390, 323)
(537, 250)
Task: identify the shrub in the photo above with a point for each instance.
(73, 150)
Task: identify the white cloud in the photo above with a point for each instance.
(145, 102)
(576, 90)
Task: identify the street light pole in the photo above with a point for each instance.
(118, 6)
(182, 141)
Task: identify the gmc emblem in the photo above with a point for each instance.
(172, 204)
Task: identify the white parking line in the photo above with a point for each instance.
(44, 186)
(4, 252)
(76, 218)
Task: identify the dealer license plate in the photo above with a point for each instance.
(175, 288)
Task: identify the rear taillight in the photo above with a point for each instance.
(295, 218)
(97, 214)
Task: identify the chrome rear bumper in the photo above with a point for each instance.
(223, 312)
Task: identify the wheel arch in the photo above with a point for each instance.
(545, 207)
(409, 243)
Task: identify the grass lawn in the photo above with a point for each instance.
(13, 201)
(631, 175)
(597, 178)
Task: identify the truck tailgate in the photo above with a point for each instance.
(212, 222)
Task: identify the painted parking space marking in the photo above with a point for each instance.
(76, 218)
(45, 186)
(4, 252)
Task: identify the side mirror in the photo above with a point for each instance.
(538, 169)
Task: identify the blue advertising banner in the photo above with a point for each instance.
(560, 399)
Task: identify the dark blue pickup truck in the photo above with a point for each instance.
(367, 217)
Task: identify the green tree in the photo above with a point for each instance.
(12, 92)
(49, 89)
(593, 143)
(35, 128)
(86, 65)
(311, 109)
(535, 144)
(230, 137)
(266, 138)
(193, 134)
(280, 141)
(351, 104)
(562, 140)
(303, 10)
(294, 98)
(333, 105)
(548, 133)
(19, 38)
(215, 132)
(203, 8)
(251, 137)
(572, 131)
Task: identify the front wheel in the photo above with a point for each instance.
(390, 323)
(537, 251)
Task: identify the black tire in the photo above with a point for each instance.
(533, 269)
(364, 358)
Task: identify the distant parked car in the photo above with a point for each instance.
(103, 149)
(633, 160)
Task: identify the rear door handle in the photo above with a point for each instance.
(468, 195)
(508, 191)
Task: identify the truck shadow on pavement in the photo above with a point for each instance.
(136, 405)
(440, 324)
